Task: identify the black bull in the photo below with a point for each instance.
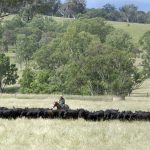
(109, 114)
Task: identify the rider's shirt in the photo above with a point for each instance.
(62, 102)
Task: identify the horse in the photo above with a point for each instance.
(58, 106)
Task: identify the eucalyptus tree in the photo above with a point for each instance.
(8, 72)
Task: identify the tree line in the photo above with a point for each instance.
(127, 13)
(73, 9)
(84, 56)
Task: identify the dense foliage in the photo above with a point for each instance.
(8, 72)
(82, 56)
(145, 42)
(127, 13)
(72, 9)
(88, 57)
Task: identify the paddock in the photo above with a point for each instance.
(71, 134)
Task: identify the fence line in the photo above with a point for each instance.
(55, 96)
(75, 97)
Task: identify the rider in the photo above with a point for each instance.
(62, 102)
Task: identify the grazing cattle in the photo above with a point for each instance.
(141, 115)
(83, 114)
(61, 114)
(127, 115)
(32, 113)
(16, 113)
(110, 114)
(99, 115)
(56, 114)
(120, 115)
(24, 112)
(6, 114)
(71, 114)
(48, 113)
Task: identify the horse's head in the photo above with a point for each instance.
(56, 104)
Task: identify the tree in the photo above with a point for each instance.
(92, 13)
(10, 6)
(145, 43)
(38, 22)
(26, 80)
(43, 81)
(9, 37)
(8, 72)
(16, 22)
(129, 12)
(110, 71)
(148, 16)
(141, 17)
(120, 40)
(74, 79)
(66, 47)
(109, 12)
(37, 6)
(26, 13)
(72, 7)
(25, 47)
(95, 26)
(1, 30)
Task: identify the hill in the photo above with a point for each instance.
(136, 30)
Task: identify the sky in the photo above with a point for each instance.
(141, 4)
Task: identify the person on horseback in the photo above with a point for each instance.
(62, 102)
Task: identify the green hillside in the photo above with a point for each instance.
(136, 30)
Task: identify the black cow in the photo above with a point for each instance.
(141, 115)
(83, 114)
(110, 114)
(71, 114)
(96, 116)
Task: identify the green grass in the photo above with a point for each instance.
(74, 134)
(144, 88)
(62, 19)
(136, 30)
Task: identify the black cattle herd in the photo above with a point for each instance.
(109, 114)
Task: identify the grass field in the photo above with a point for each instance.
(74, 134)
(40, 134)
(136, 30)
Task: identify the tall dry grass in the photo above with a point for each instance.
(46, 134)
